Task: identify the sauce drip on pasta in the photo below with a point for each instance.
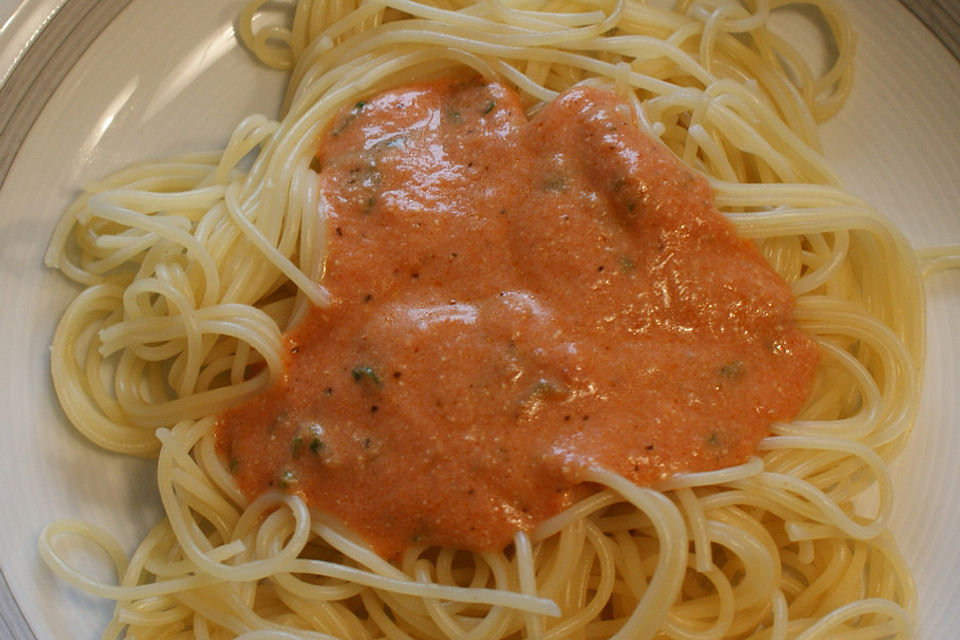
(514, 301)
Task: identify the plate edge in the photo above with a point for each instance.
(942, 19)
(13, 624)
(43, 66)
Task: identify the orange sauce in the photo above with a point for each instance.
(514, 301)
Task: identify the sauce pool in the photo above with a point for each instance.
(514, 301)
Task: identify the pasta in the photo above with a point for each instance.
(192, 269)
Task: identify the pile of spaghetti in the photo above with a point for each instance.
(193, 268)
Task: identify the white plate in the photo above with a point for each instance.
(168, 77)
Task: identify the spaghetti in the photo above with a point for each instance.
(194, 267)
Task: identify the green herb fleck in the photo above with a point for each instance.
(547, 389)
(395, 141)
(287, 478)
(340, 128)
(316, 446)
(489, 107)
(544, 390)
(364, 373)
(348, 119)
(555, 182)
(297, 447)
(234, 465)
(732, 369)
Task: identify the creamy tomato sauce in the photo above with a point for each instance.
(514, 301)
